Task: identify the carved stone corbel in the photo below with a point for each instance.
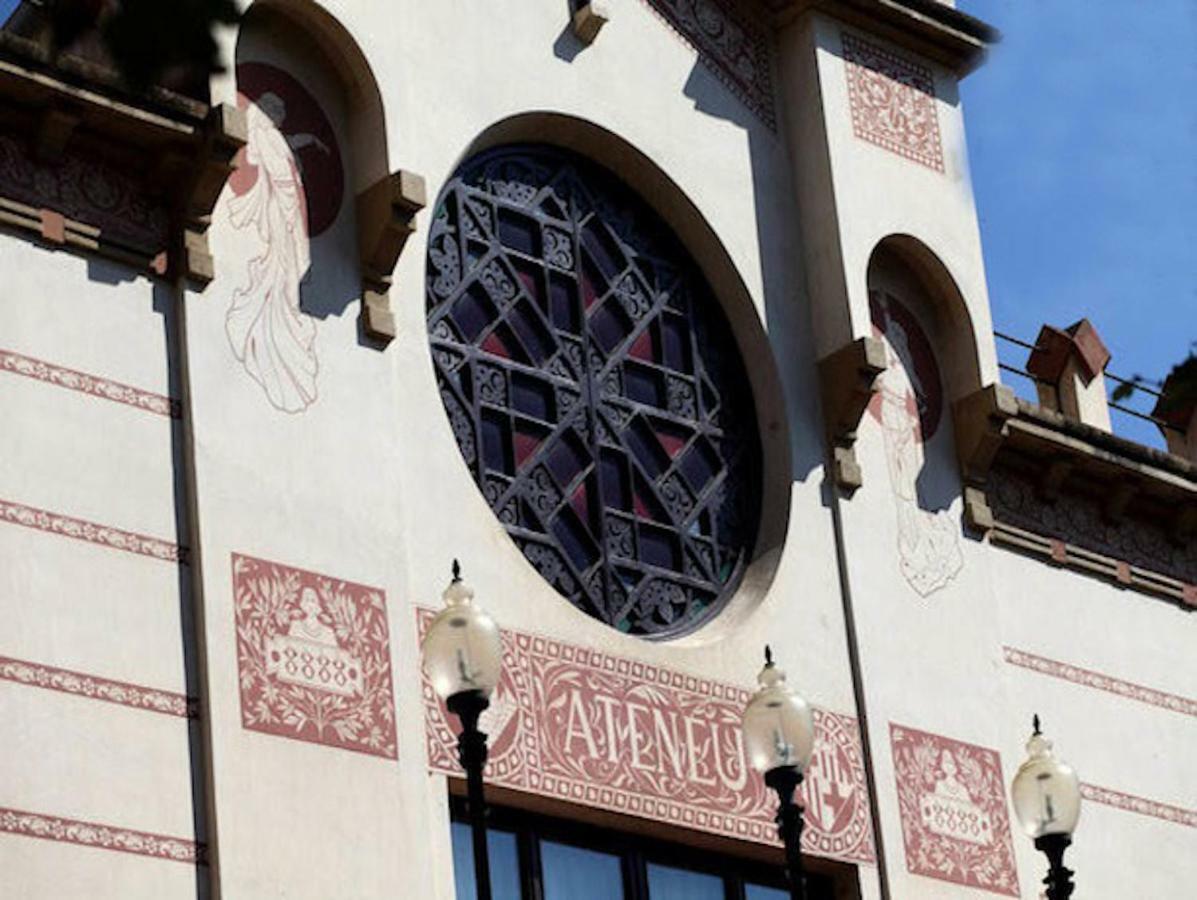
(980, 424)
(386, 218)
(225, 132)
(847, 380)
(589, 18)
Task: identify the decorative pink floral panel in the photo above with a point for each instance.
(893, 102)
(314, 657)
(575, 724)
(952, 800)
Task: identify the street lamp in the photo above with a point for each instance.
(463, 655)
(1047, 801)
(779, 736)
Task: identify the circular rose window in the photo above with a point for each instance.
(594, 388)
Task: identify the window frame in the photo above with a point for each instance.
(635, 852)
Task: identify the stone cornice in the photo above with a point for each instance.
(931, 29)
(1082, 497)
(160, 158)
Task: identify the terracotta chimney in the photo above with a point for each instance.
(1179, 411)
(1068, 366)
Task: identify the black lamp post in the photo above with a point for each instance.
(1047, 801)
(463, 655)
(779, 737)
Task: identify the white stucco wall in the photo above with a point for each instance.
(366, 483)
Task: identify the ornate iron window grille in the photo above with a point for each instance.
(594, 388)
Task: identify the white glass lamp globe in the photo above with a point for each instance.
(779, 729)
(462, 649)
(1045, 791)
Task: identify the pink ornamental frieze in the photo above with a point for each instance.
(952, 802)
(100, 836)
(314, 657)
(586, 727)
(95, 687)
(91, 532)
(91, 385)
(893, 102)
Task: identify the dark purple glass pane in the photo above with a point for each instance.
(644, 385)
(519, 232)
(496, 447)
(568, 458)
(677, 344)
(531, 396)
(659, 547)
(609, 325)
(473, 312)
(564, 301)
(575, 539)
(617, 491)
(700, 465)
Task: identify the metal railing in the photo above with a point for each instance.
(1138, 385)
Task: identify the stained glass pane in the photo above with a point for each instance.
(591, 382)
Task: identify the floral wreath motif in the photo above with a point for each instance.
(923, 764)
(356, 713)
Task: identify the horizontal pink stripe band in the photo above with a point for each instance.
(1141, 805)
(92, 385)
(1088, 678)
(102, 837)
(96, 688)
(92, 532)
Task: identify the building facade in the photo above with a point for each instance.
(668, 319)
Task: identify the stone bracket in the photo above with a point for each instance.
(588, 20)
(224, 133)
(847, 381)
(980, 423)
(386, 218)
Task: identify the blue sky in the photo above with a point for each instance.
(6, 7)
(1082, 131)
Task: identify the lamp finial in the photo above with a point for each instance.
(456, 571)
(1035, 725)
(768, 656)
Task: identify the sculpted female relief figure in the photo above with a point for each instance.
(286, 195)
(909, 406)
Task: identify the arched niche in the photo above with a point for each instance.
(919, 320)
(907, 268)
(296, 50)
(697, 235)
(909, 265)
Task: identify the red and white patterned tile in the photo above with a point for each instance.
(95, 687)
(587, 727)
(952, 802)
(91, 385)
(1054, 668)
(314, 657)
(101, 836)
(892, 100)
(91, 532)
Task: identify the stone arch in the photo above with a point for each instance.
(904, 259)
(310, 23)
(654, 185)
